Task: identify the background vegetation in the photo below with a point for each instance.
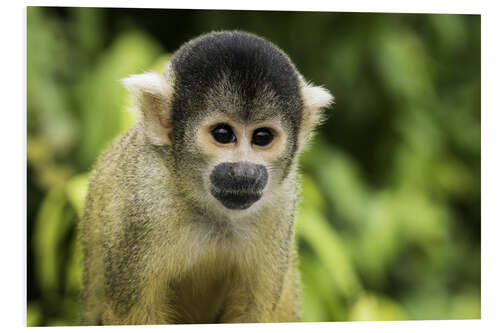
(389, 224)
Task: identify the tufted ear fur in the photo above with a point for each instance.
(152, 94)
(314, 98)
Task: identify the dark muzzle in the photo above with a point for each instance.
(238, 185)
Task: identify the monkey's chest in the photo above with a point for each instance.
(200, 296)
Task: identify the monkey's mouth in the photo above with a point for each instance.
(235, 200)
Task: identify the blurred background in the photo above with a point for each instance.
(389, 224)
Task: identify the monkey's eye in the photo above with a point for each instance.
(223, 133)
(262, 137)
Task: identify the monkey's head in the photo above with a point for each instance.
(232, 114)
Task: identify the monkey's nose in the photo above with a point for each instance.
(249, 171)
(239, 176)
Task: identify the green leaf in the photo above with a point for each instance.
(50, 228)
(76, 190)
(74, 268)
(370, 307)
(328, 247)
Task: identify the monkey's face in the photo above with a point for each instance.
(236, 147)
(241, 157)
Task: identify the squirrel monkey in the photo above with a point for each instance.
(190, 213)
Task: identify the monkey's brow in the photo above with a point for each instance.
(264, 115)
(254, 116)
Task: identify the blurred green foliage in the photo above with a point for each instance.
(389, 223)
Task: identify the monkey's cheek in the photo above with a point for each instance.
(238, 201)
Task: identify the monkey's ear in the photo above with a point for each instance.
(315, 99)
(152, 94)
